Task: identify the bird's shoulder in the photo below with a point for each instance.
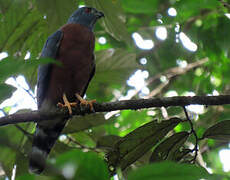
(76, 29)
(77, 36)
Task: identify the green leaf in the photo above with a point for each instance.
(138, 142)
(5, 91)
(219, 131)
(127, 119)
(113, 67)
(188, 8)
(144, 6)
(114, 21)
(60, 148)
(21, 26)
(85, 139)
(80, 123)
(11, 147)
(166, 149)
(169, 171)
(26, 177)
(108, 142)
(78, 165)
(56, 11)
(11, 66)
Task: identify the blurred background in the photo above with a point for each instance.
(144, 49)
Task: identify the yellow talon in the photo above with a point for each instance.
(67, 104)
(85, 102)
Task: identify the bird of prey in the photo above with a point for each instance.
(73, 46)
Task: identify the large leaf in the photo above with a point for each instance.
(5, 91)
(169, 147)
(144, 6)
(107, 142)
(219, 131)
(80, 123)
(78, 165)
(138, 142)
(11, 66)
(190, 8)
(21, 26)
(114, 63)
(11, 147)
(56, 12)
(114, 21)
(169, 171)
(26, 177)
(113, 67)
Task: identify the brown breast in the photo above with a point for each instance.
(76, 56)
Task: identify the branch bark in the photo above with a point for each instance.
(36, 116)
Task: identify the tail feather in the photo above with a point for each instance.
(44, 139)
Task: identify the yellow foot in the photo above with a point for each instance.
(67, 104)
(84, 102)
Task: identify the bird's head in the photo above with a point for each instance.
(86, 16)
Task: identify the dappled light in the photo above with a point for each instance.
(22, 98)
(3, 55)
(197, 109)
(172, 12)
(102, 40)
(143, 61)
(27, 56)
(161, 33)
(225, 159)
(187, 43)
(160, 103)
(141, 43)
(181, 63)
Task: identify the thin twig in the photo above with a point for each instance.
(169, 74)
(80, 145)
(192, 132)
(225, 4)
(27, 134)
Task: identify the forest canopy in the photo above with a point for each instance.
(152, 53)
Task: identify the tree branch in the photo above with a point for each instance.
(36, 116)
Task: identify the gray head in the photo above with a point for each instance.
(86, 16)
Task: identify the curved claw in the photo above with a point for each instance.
(67, 104)
(84, 102)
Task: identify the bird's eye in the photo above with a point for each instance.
(88, 10)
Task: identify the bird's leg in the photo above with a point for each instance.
(85, 102)
(67, 104)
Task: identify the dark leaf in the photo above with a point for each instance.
(108, 142)
(26, 177)
(78, 165)
(114, 21)
(5, 91)
(11, 66)
(60, 148)
(138, 142)
(10, 147)
(144, 6)
(169, 171)
(113, 67)
(80, 123)
(166, 149)
(219, 131)
(56, 12)
(84, 138)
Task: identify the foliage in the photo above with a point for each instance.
(127, 143)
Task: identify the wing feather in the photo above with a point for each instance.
(49, 50)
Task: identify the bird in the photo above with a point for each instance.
(64, 85)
